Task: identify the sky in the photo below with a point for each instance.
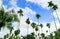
(30, 8)
(45, 13)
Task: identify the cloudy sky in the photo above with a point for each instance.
(30, 8)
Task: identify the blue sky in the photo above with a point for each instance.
(45, 13)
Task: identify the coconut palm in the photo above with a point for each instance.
(28, 22)
(55, 7)
(21, 14)
(41, 25)
(38, 16)
(33, 25)
(51, 5)
(48, 25)
(36, 29)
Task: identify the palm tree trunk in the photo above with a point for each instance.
(19, 25)
(28, 29)
(57, 16)
(33, 30)
(19, 22)
(36, 34)
(54, 21)
(38, 28)
(49, 30)
(41, 32)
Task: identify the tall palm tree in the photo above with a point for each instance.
(20, 14)
(36, 29)
(28, 22)
(33, 25)
(48, 25)
(41, 25)
(55, 7)
(51, 6)
(38, 16)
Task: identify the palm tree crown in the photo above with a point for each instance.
(55, 7)
(41, 25)
(20, 12)
(48, 25)
(33, 25)
(37, 15)
(50, 4)
(27, 21)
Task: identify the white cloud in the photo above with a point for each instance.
(13, 3)
(42, 3)
(0, 3)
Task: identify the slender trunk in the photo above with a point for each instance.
(38, 28)
(19, 25)
(54, 21)
(41, 32)
(19, 22)
(49, 30)
(28, 29)
(36, 34)
(33, 29)
(57, 16)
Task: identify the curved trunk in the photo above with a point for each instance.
(54, 21)
(57, 16)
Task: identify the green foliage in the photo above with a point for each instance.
(55, 7)
(9, 19)
(36, 28)
(33, 25)
(29, 36)
(48, 25)
(6, 19)
(50, 4)
(27, 21)
(41, 25)
(15, 17)
(20, 12)
(42, 34)
(37, 15)
(17, 32)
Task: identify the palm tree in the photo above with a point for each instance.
(36, 29)
(28, 22)
(33, 25)
(51, 5)
(48, 25)
(43, 35)
(21, 14)
(41, 25)
(38, 16)
(55, 7)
